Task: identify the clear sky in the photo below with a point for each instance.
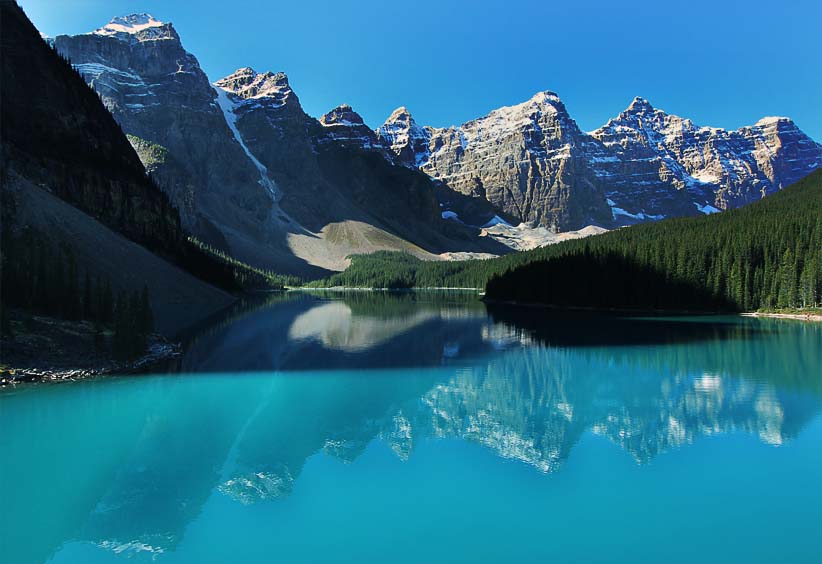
(721, 63)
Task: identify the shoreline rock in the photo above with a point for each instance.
(159, 350)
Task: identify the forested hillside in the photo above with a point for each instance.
(763, 256)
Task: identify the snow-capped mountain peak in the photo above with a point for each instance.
(545, 97)
(639, 105)
(400, 113)
(248, 84)
(142, 26)
(407, 140)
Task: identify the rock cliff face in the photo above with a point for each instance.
(158, 93)
(525, 161)
(345, 127)
(56, 134)
(732, 167)
(401, 134)
(332, 176)
(249, 170)
(70, 176)
(532, 163)
(252, 173)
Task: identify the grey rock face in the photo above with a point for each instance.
(344, 126)
(158, 93)
(401, 134)
(525, 160)
(652, 149)
(318, 165)
(533, 164)
(251, 172)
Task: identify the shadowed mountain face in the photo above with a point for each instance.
(250, 172)
(293, 378)
(70, 177)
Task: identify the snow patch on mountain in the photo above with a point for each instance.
(93, 71)
(227, 106)
(706, 209)
(143, 27)
(452, 216)
(407, 140)
(496, 220)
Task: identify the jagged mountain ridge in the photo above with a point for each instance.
(251, 172)
(306, 183)
(533, 163)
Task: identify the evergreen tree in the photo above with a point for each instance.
(146, 316)
(88, 301)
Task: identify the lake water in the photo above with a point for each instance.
(421, 428)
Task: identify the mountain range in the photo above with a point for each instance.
(254, 175)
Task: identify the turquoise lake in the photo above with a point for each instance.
(428, 427)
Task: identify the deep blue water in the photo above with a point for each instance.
(419, 428)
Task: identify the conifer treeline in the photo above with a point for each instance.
(40, 278)
(766, 255)
(247, 277)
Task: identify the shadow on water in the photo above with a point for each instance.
(378, 330)
(141, 458)
(582, 328)
(311, 331)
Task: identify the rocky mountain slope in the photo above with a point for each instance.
(250, 171)
(71, 176)
(253, 174)
(533, 163)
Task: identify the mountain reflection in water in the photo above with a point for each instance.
(304, 374)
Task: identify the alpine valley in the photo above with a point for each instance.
(256, 177)
(232, 331)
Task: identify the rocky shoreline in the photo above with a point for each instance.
(38, 348)
(817, 317)
(159, 351)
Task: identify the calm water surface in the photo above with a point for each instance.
(426, 428)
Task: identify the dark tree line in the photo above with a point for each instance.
(247, 277)
(41, 278)
(767, 255)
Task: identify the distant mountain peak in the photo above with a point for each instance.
(407, 140)
(143, 26)
(545, 96)
(542, 102)
(639, 105)
(774, 120)
(342, 115)
(400, 114)
(247, 83)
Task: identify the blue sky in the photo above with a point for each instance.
(721, 63)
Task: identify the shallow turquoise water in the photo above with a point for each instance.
(423, 428)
